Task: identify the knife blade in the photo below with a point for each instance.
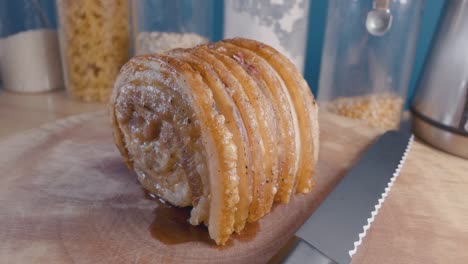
(333, 232)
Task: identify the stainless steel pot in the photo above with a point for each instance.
(440, 108)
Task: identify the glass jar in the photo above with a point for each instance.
(280, 24)
(29, 56)
(365, 70)
(94, 41)
(160, 25)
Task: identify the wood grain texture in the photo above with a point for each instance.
(66, 197)
(425, 217)
(19, 112)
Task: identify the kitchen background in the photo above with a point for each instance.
(62, 173)
(317, 17)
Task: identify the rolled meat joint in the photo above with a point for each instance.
(227, 128)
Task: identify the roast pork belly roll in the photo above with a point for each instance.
(227, 128)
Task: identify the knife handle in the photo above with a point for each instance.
(303, 252)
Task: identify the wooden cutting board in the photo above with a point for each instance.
(67, 197)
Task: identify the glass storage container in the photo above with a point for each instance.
(160, 25)
(280, 24)
(94, 41)
(29, 56)
(365, 68)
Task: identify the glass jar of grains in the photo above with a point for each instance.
(160, 25)
(94, 40)
(367, 59)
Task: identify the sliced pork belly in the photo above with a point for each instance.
(226, 128)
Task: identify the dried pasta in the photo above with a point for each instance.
(94, 39)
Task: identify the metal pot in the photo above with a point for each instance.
(440, 107)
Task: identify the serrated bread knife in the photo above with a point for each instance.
(335, 230)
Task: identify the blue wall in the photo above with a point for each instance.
(318, 11)
(21, 15)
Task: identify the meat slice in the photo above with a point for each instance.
(288, 143)
(305, 105)
(176, 139)
(255, 88)
(234, 123)
(249, 116)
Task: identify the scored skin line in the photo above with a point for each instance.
(374, 213)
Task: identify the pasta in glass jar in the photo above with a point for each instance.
(94, 40)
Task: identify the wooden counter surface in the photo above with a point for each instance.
(423, 220)
(19, 112)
